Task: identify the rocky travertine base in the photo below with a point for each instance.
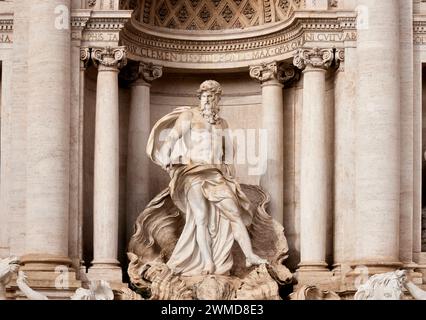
(157, 282)
(313, 293)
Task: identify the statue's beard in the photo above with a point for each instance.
(210, 114)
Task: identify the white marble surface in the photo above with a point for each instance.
(377, 150)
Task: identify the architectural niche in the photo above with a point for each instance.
(213, 14)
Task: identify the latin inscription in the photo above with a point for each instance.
(97, 36)
(184, 57)
(215, 58)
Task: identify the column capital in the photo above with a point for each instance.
(109, 57)
(272, 71)
(84, 57)
(149, 72)
(316, 58)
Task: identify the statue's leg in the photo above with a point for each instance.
(199, 207)
(232, 212)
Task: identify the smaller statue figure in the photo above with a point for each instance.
(8, 267)
(415, 291)
(31, 294)
(385, 286)
(98, 290)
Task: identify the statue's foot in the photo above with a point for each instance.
(255, 260)
(209, 268)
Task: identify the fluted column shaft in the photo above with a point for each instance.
(139, 126)
(378, 135)
(271, 76)
(48, 133)
(314, 190)
(106, 167)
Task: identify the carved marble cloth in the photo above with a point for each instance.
(216, 185)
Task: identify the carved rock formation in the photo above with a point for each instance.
(156, 236)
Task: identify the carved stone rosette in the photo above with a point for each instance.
(314, 58)
(272, 71)
(109, 58)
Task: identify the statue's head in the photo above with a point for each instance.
(209, 94)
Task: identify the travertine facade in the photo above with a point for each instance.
(330, 91)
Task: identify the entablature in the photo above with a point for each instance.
(232, 49)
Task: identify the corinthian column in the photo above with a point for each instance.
(314, 191)
(106, 169)
(271, 76)
(48, 137)
(139, 126)
(378, 128)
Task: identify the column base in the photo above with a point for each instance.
(313, 266)
(420, 258)
(375, 267)
(316, 274)
(110, 272)
(49, 275)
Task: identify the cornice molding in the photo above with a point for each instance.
(98, 28)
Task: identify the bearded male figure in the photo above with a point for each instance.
(188, 144)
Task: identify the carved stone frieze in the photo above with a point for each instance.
(241, 49)
(98, 28)
(109, 57)
(316, 58)
(419, 26)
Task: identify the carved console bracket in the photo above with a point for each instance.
(98, 28)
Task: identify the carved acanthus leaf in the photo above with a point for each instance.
(272, 71)
(316, 58)
(110, 57)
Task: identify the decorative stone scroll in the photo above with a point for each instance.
(84, 57)
(339, 58)
(109, 57)
(149, 72)
(272, 71)
(315, 58)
